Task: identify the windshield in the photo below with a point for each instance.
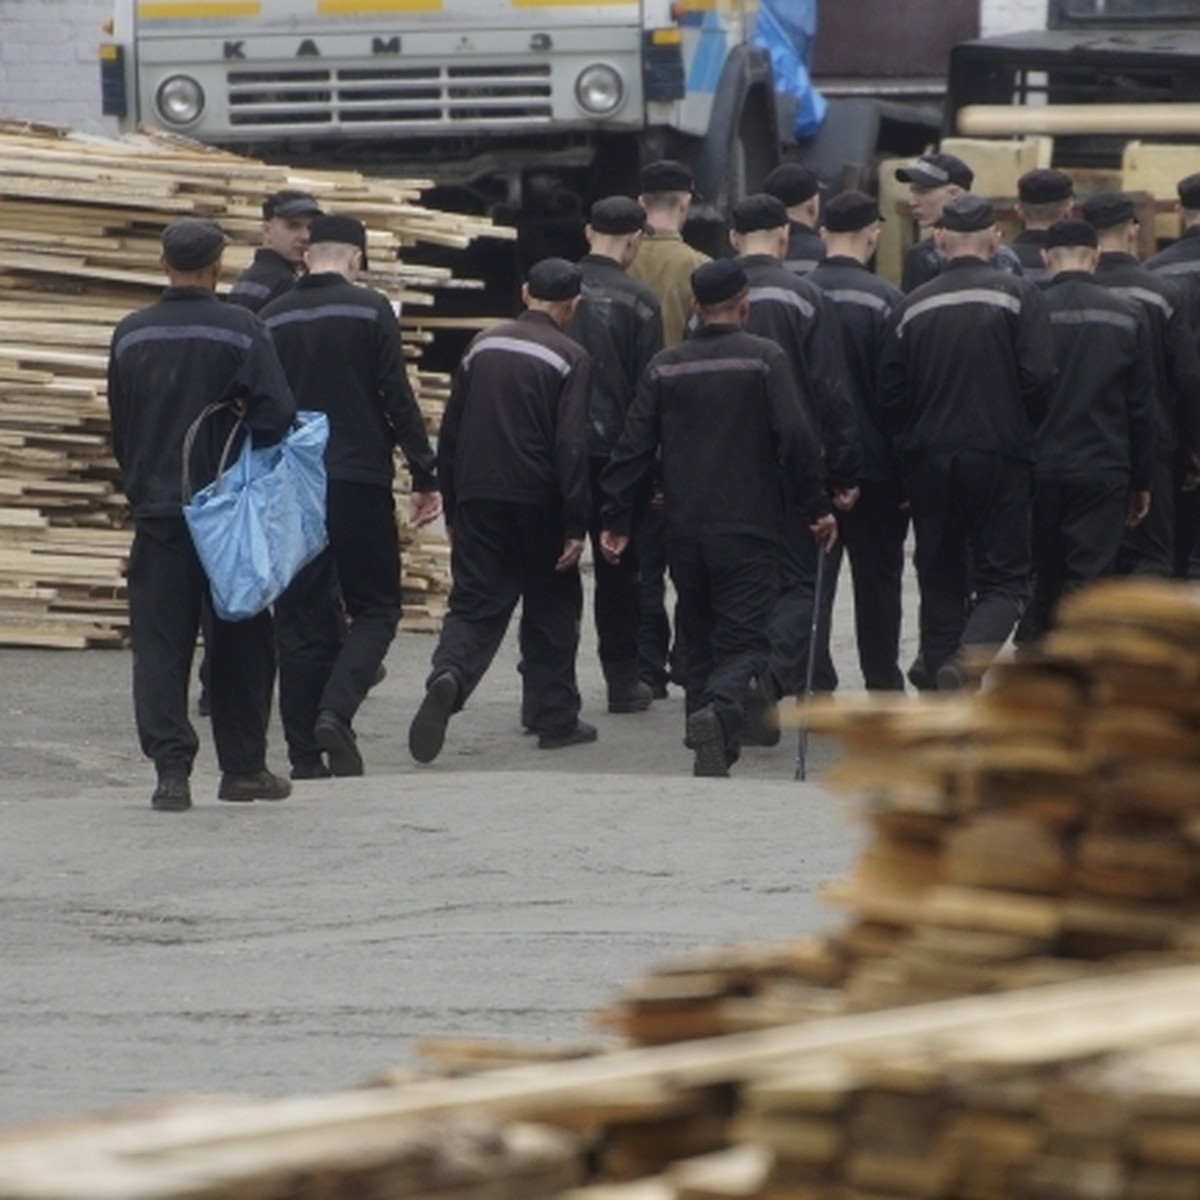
(1143, 11)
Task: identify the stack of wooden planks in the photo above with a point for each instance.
(80, 221)
(1041, 829)
(1083, 1090)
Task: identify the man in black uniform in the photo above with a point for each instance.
(967, 372)
(1044, 196)
(800, 191)
(934, 181)
(513, 461)
(795, 314)
(1149, 547)
(723, 408)
(874, 528)
(287, 220)
(1095, 449)
(1180, 263)
(340, 346)
(167, 364)
(619, 323)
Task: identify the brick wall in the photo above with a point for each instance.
(48, 62)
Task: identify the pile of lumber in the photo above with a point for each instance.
(1038, 830)
(80, 222)
(1089, 1089)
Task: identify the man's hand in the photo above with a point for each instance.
(572, 549)
(613, 545)
(844, 499)
(424, 507)
(825, 530)
(1139, 508)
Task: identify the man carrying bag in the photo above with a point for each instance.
(167, 363)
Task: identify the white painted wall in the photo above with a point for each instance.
(1010, 16)
(49, 69)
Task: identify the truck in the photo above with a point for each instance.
(527, 109)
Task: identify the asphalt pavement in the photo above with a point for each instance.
(303, 946)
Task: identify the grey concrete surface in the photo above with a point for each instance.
(302, 946)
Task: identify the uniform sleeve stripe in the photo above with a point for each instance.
(801, 265)
(780, 295)
(183, 333)
(247, 287)
(1146, 296)
(1095, 316)
(353, 312)
(709, 366)
(861, 298)
(988, 296)
(511, 345)
(1178, 268)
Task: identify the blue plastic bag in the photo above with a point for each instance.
(262, 519)
(786, 29)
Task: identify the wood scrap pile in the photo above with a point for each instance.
(1038, 830)
(80, 221)
(1089, 1089)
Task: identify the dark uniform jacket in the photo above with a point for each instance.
(968, 364)
(1101, 418)
(805, 248)
(925, 261)
(1028, 246)
(267, 278)
(724, 409)
(166, 363)
(1176, 363)
(515, 427)
(794, 313)
(340, 346)
(619, 323)
(1180, 263)
(863, 303)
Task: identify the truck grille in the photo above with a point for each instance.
(370, 96)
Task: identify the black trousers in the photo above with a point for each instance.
(504, 552)
(167, 586)
(1077, 530)
(322, 663)
(1149, 547)
(873, 534)
(726, 586)
(971, 516)
(659, 659)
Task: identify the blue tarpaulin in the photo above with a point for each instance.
(786, 30)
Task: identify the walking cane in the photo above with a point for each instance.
(811, 666)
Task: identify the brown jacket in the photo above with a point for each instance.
(665, 264)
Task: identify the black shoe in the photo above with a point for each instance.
(260, 785)
(173, 793)
(708, 744)
(658, 688)
(336, 738)
(761, 727)
(919, 677)
(630, 699)
(427, 733)
(310, 768)
(950, 677)
(204, 703)
(379, 676)
(580, 735)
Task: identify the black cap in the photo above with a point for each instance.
(718, 282)
(1189, 191)
(759, 211)
(1044, 185)
(554, 279)
(1070, 233)
(792, 183)
(937, 170)
(665, 175)
(617, 215)
(190, 244)
(290, 204)
(967, 214)
(346, 231)
(850, 212)
(1106, 209)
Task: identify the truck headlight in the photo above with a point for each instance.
(599, 89)
(180, 100)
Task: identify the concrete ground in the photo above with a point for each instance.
(302, 946)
